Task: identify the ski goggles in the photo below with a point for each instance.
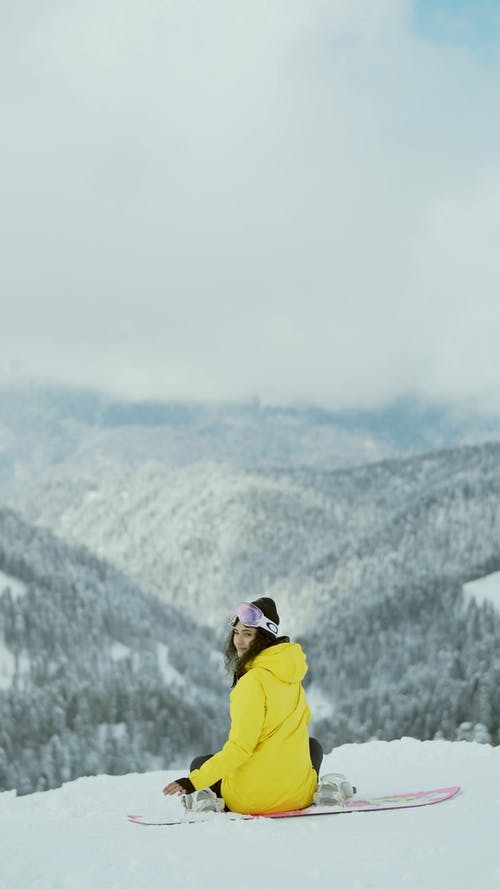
(252, 616)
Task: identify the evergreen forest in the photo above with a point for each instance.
(110, 639)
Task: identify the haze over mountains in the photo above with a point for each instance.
(61, 431)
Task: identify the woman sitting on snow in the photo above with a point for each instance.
(269, 763)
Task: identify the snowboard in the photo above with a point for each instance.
(374, 804)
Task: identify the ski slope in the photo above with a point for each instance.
(78, 837)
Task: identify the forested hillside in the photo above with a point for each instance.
(198, 534)
(417, 662)
(308, 536)
(367, 566)
(407, 654)
(95, 676)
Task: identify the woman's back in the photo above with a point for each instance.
(269, 719)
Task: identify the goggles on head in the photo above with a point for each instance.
(252, 616)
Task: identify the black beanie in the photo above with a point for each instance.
(268, 608)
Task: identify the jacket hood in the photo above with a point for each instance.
(286, 661)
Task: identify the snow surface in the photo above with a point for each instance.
(484, 589)
(169, 673)
(16, 586)
(7, 665)
(319, 702)
(78, 837)
(119, 652)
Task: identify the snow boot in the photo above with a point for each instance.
(204, 800)
(333, 790)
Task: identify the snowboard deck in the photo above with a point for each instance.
(374, 804)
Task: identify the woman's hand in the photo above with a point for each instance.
(172, 788)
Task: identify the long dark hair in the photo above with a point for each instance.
(235, 664)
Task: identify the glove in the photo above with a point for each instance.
(186, 784)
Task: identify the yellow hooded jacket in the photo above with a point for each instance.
(265, 764)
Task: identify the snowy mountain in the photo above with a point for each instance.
(368, 567)
(310, 537)
(63, 432)
(79, 836)
(197, 535)
(95, 675)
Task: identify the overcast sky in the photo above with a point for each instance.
(296, 200)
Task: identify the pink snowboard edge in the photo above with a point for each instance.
(375, 804)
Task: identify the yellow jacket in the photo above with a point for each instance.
(265, 764)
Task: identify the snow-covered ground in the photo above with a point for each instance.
(78, 837)
(16, 586)
(485, 589)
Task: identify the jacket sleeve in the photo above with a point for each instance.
(247, 710)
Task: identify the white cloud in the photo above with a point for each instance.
(295, 200)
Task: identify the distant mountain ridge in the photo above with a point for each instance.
(59, 432)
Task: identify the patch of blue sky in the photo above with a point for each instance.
(472, 23)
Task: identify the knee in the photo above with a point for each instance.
(198, 761)
(316, 753)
